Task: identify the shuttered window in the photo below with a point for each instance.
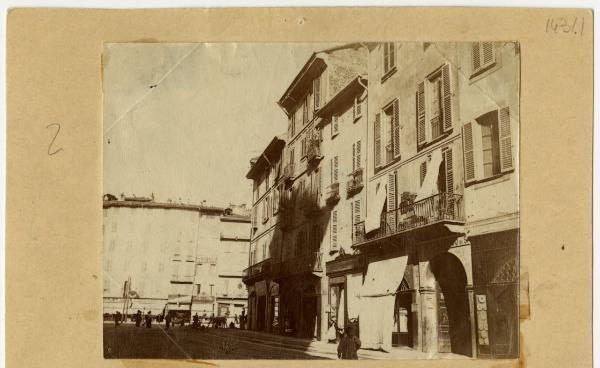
(317, 92)
(334, 164)
(305, 110)
(420, 107)
(482, 56)
(396, 128)
(357, 108)
(391, 202)
(334, 229)
(335, 129)
(468, 152)
(389, 57)
(506, 159)
(447, 97)
(356, 212)
(357, 160)
(377, 137)
(448, 165)
(422, 171)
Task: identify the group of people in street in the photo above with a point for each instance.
(137, 318)
(348, 342)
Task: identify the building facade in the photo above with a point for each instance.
(175, 257)
(399, 209)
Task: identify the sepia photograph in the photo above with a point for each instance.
(311, 200)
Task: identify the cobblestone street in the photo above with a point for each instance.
(129, 342)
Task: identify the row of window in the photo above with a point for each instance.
(305, 110)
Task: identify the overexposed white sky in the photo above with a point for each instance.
(183, 120)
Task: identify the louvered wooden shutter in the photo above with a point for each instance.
(357, 211)
(447, 97)
(334, 230)
(420, 113)
(391, 202)
(487, 52)
(335, 125)
(317, 92)
(422, 171)
(506, 160)
(386, 52)
(377, 135)
(396, 128)
(392, 55)
(468, 152)
(475, 56)
(449, 182)
(335, 168)
(353, 157)
(358, 155)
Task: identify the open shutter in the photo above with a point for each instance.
(448, 162)
(335, 125)
(386, 52)
(317, 92)
(377, 135)
(506, 160)
(353, 157)
(391, 203)
(396, 128)
(475, 56)
(422, 172)
(421, 113)
(358, 155)
(447, 97)
(487, 52)
(468, 152)
(357, 217)
(334, 230)
(336, 160)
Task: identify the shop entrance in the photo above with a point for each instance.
(261, 306)
(309, 313)
(454, 327)
(403, 321)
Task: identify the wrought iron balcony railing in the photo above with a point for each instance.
(288, 172)
(257, 270)
(409, 216)
(332, 194)
(355, 182)
(313, 152)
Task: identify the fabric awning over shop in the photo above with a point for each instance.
(383, 277)
(429, 186)
(353, 284)
(377, 299)
(185, 299)
(373, 220)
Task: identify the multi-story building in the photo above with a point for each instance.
(440, 237)
(187, 258)
(294, 298)
(267, 174)
(407, 191)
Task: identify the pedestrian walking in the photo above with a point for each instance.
(349, 344)
(195, 321)
(168, 320)
(117, 318)
(148, 320)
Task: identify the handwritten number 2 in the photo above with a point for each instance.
(50, 153)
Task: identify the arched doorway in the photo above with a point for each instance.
(454, 326)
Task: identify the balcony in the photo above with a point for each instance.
(257, 271)
(354, 183)
(332, 194)
(287, 174)
(303, 264)
(310, 204)
(422, 220)
(313, 153)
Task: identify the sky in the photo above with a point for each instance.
(181, 121)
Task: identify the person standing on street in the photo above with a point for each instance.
(349, 344)
(117, 318)
(168, 320)
(138, 318)
(148, 319)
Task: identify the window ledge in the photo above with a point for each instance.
(483, 70)
(432, 142)
(494, 179)
(388, 74)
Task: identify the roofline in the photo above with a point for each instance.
(217, 211)
(273, 145)
(356, 81)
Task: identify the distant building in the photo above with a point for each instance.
(186, 257)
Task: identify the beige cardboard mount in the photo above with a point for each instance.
(54, 181)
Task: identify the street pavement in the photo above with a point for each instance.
(128, 342)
